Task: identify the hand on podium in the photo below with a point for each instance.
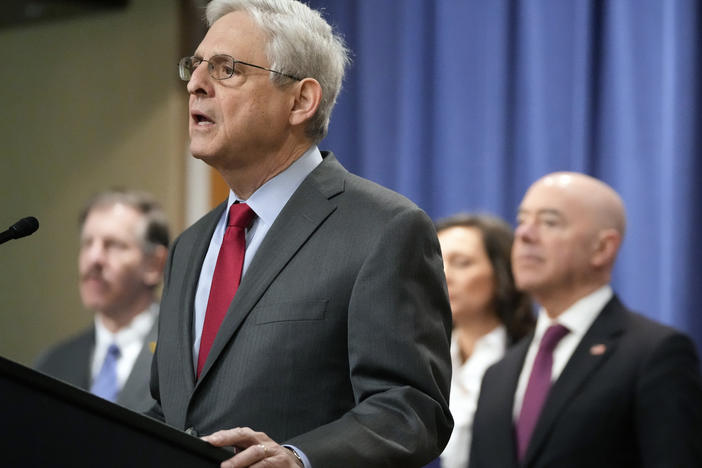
(251, 448)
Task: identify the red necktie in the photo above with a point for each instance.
(538, 387)
(226, 278)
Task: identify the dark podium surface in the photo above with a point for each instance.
(48, 423)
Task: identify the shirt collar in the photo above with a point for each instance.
(137, 329)
(495, 340)
(578, 317)
(270, 198)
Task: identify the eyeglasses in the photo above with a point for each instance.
(220, 67)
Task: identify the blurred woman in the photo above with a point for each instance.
(489, 314)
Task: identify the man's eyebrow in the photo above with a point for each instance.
(542, 211)
(549, 211)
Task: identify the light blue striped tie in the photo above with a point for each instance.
(105, 384)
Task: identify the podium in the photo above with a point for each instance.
(45, 422)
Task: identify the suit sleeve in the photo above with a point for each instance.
(669, 405)
(398, 350)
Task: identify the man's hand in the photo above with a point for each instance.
(254, 449)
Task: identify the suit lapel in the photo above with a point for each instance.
(596, 347)
(132, 394)
(201, 243)
(305, 211)
(82, 378)
(504, 418)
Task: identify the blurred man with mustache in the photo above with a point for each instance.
(123, 247)
(595, 385)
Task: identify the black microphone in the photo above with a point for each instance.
(21, 228)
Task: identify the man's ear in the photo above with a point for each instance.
(155, 262)
(307, 99)
(606, 245)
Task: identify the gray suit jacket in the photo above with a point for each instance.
(70, 361)
(337, 340)
(637, 404)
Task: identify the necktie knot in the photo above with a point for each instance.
(552, 336)
(113, 351)
(240, 215)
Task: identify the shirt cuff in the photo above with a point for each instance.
(305, 460)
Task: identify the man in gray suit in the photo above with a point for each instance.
(334, 351)
(123, 248)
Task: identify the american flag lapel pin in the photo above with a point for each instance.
(598, 349)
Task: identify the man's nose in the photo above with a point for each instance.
(200, 81)
(525, 231)
(94, 253)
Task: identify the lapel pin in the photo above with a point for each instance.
(598, 349)
(152, 346)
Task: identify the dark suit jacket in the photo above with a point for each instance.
(70, 361)
(639, 404)
(337, 340)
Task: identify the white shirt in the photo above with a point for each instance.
(577, 318)
(267, 202)
(129, 339)
(465, 389)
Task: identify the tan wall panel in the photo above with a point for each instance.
(87, 103)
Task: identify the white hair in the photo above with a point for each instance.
(300, 43)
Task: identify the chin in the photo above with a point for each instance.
(93, 304)
(208, 157)
(198, 153)
(92, 297)
(524, 283)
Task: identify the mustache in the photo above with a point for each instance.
(92, 273)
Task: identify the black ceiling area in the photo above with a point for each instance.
(24, 12)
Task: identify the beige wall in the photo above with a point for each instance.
(85, 103)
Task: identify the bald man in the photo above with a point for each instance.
(596, 385)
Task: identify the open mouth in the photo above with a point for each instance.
(202, 119)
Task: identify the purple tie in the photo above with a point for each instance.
(538, 387)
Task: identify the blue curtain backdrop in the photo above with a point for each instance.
(462, 104)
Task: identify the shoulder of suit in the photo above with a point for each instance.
(206, 222)
(366, 193)
(76, 344)
(648, 328)
(357, 195)
(643, 333)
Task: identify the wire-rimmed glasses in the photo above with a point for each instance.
(220, 67)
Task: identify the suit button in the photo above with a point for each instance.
(191, 431)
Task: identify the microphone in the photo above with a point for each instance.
(21, 228)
